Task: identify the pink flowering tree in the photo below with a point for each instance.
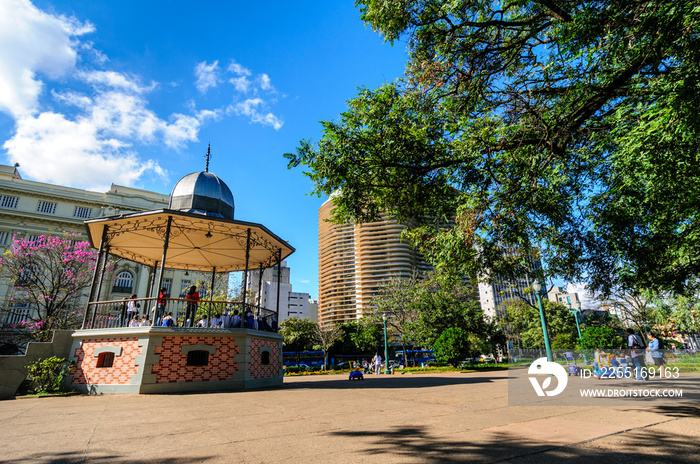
(47, 278)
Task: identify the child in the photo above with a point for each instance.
(168, 320)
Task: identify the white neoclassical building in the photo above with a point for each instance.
(29, 209)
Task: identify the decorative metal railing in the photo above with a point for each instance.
(115, 313)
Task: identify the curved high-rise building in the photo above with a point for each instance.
(354, 261)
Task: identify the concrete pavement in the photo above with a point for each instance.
(420, 418)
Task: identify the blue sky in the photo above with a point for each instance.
(99, 92)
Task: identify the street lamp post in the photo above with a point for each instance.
(537, 287)
(577, 312)
(386, 348)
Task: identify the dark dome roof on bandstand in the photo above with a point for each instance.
(203, 193)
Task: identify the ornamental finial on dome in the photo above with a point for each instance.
(206, 168)
(203, 193)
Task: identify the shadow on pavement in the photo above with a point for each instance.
(71, 458)
(389, 381)
(677, 411)
(634, 447)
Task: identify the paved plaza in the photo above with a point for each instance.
(419, 418)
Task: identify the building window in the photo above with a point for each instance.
(198, 358)
(4, 237)
(7, 201)
(32, 238)
(124, 282)
(28, 275)
(265, 358)
(105, 359)
(82, 213)
(184, 287)
(46, 207)
(168, 284)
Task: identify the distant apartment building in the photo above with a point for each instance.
(493, 294)
(263, 292)
(568, 299)
(30, 209)
(355, 260)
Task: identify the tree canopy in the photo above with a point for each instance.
(299, 334)
(521, 321)
(567, 125)
(49, 276)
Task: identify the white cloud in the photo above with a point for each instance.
(237, 69)
(249, 108)
(97, 55)
(74, 153)
(242, 84)
(113, 79)
(207, 75)
(92, 143)
(69, 97)
(265, 82)
(33, 43)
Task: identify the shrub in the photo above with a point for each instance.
(452, 346)
(601, 337)
(47, 374)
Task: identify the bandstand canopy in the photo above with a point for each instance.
(196, 242)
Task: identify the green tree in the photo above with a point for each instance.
(325, 337)
(222, 291)
(442, 305)
(299, 335)
(635, 308)
(524, 319)
(601, 337)
(452, 346)
(397, 301)
(678, 312)
(370, 336)
(571, 126)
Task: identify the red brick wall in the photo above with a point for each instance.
(173, 367)
(259, 371)
(86, 371)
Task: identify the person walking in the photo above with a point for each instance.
(377, 364)
(636, 346)
(656, 354)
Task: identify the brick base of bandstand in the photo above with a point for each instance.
(174, 360)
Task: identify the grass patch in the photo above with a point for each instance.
(413, 370)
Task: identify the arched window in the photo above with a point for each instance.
(105, 359)
(124, 282)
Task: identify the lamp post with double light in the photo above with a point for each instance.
(386, 348)
(537, 287)
(577, 314)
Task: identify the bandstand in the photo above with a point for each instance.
(196, 233)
